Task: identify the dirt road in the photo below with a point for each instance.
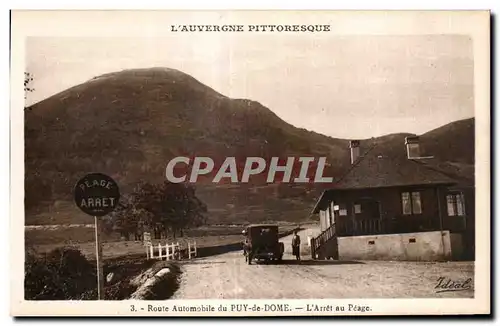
(227, 276)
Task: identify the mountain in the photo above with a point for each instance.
(129, 124)
(453, 142)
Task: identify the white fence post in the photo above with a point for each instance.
(159, 251)
(192, 251)
(172, 251)
(146, 237)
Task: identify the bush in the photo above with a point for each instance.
(65, 274)
(62, 274)
(117, 291)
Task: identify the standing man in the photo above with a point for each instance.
(296, 245)
(247, 248)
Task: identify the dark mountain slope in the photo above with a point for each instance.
(453, 142)
(129, 124)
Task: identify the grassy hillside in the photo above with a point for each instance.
(453, 142)
(129, 124)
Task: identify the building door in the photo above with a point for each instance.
(367, 217)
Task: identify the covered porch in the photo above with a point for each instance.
(393, 210)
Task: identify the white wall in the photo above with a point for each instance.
(322, 220)
(427, 246)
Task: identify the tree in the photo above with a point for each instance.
(129, 219)
(190, 214)
(173, 206)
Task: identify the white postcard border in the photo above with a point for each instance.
(110, 23)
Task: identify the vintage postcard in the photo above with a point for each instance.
(250, 163)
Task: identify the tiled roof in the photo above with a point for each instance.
(379, 167)
(375, 170)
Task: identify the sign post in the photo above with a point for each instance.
(97, 194)
(98, 255)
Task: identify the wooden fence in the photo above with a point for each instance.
(173, 251)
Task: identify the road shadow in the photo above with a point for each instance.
(311, 262)
(202, 262)
(218, 250)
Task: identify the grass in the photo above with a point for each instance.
(131, 248)
(76, 235)
(43, 241)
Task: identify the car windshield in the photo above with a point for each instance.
(264, 233)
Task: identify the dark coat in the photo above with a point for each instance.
(296, 245)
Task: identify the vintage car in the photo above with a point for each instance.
(262, 243)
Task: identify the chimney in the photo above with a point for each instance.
(412, 147)
(354, 146)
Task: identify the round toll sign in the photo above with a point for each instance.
(97, 194)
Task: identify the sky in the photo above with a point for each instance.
(341, 86)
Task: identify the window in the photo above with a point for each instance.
(405, 197)
(413, 150)
(416, 203)
(343, 210)
(412, 203)
(455, 205)
(357, 208)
